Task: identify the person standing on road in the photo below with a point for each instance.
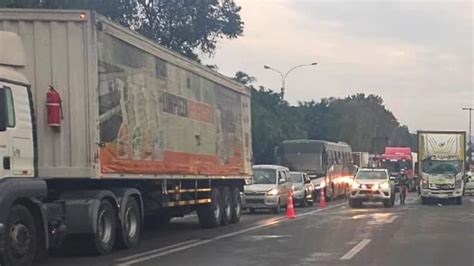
(403, 186)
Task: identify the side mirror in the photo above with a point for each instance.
(281, 181)
(3, 110)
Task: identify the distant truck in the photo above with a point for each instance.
(441, 163)
(396, 159)
(361, 159)
(128, 131)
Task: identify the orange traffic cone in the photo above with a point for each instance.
(290, 210)
(322, 200)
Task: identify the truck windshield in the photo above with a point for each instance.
(371, 175)
(264, 176)
(441, 167)
(396, 166)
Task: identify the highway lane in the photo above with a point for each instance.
(180, 231)
(373, 235)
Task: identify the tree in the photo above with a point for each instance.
(184, 26)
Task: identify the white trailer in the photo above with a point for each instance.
(142, 133)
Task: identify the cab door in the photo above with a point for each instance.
(16, 137)
(6, 125)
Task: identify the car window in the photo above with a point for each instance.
(371, 175)
(281, 177)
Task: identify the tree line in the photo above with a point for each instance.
(360, 120)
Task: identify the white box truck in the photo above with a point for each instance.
(100, 128)
(441, 165)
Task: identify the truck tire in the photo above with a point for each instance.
(236, 206)
(226, 205)
(20, 237)
(424, 201)
(104, 238)
(131, 225)
(210, 215)
(459, 201)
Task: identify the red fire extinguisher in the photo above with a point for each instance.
(54, 108)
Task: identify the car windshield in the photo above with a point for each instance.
(296, 177)
(371, 175)
(264, 176)
(441, 167)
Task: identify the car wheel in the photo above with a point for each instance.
(277, 209)
(304, 202)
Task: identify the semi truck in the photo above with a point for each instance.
(441, 165)
(102, 129)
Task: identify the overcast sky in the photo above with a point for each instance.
(417, 55)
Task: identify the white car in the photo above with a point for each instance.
(469, 187)
(372, 185)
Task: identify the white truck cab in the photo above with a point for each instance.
(16, 128)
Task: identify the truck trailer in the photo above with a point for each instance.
(102, 129)
(441, 165)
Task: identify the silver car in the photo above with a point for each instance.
(269, 188)
(302, 189)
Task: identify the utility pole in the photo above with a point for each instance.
(470, 134)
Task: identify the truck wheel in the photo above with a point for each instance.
(226, 205)
(459, 201)
(236, 206)
(104, 237)
(131, 225)
(424, 201)
(210, 215)
(20, 237)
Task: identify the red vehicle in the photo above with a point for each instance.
(395, 159)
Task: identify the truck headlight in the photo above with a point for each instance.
(384, 185)
(424, 183)
(272, 192)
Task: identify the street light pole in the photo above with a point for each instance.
(470, 134)
(284, 76)
(470, 124)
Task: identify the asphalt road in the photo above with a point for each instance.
(437, 234)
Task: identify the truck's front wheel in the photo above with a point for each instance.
(20, 237)
(104, 237)
(210, 215)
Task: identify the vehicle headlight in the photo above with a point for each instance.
(424, 183)
(458, 184)
(355, 185)
(384, 185)
(322, 184)
(272, 192)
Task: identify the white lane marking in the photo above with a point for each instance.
(157, 250)
(391, 219)
(356, 249)
(182, 246)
